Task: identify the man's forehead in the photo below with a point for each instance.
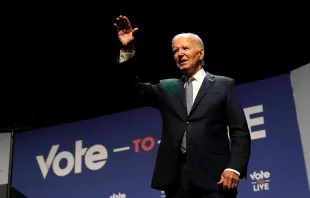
(183, 40)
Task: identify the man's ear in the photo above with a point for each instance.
(202, 54)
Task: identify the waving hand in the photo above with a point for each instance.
(125, 32)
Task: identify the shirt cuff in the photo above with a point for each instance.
(233, 170)
(125, 56)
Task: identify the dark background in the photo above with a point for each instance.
(59, 60)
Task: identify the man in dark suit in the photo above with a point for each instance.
(195, 158)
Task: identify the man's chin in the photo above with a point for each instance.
(186, 70)
(183, 68)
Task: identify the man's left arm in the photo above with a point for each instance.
(240, 139)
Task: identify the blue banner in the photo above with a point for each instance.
(114, 156)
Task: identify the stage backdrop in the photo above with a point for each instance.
(114, 156)
(301, 89)
(5, 140)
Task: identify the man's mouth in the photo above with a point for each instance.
(182, 62)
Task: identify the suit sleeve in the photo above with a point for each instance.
(143, 94)
(238, 131)
(147, 94)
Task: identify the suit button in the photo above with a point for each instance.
(187, 122)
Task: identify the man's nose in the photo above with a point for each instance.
(180, 54)
(180, 57)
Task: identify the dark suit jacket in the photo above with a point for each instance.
(208, 149)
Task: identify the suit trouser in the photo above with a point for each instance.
(184, 187)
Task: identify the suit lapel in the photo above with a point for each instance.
(205, 86)
(181, 93)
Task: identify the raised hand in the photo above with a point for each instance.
(125, 32)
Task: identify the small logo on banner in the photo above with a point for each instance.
(119, 195)
(260, 180)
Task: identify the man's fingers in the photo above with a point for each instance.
(116, 27)
(134, 31)
(229, 183)
(221, 180)
(126, 22)
(230, 180)
(225, 183)
(120, 23)
(235, 184)
(232, 183)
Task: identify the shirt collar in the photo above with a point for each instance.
(199, 76)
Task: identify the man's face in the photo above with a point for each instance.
(187, 54)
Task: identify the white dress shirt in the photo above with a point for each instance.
(197, 82)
